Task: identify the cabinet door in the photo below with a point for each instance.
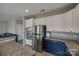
(29, 23)
(50, 23)
(58, 22)
(68, 21)
(40, 21)
(76, 19)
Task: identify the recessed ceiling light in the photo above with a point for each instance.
(26, 10)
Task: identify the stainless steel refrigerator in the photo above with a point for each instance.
(39, 34)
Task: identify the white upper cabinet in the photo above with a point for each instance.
(40, 21)
(58, 22)
(50, 23)
(68, 21)
(55, 23)
(76, 19)
(29, 23)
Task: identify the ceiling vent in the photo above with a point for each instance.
(42, 10)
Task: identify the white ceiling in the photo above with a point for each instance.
(12, 11)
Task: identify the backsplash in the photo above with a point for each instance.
(70, 35)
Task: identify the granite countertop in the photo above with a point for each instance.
(12, 48)
(65, 37)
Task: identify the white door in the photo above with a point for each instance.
(19, 31)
